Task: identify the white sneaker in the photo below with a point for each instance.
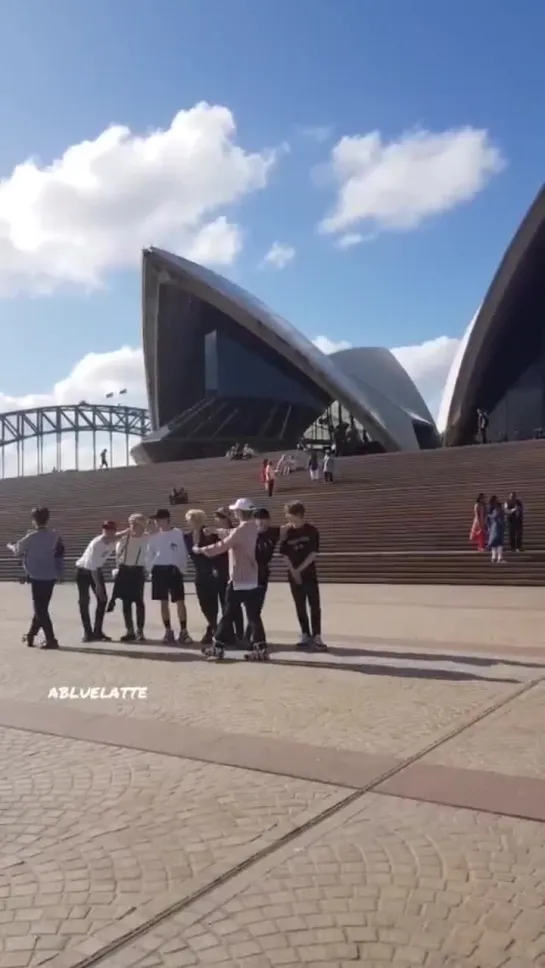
(184, 638)
(319, 644)
(305, 641)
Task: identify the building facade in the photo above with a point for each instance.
(221, 369)
(500, 365)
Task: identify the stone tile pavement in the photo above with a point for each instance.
(429, 707)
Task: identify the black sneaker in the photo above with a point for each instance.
(128, 637)
(50, 645)
(88, 637)
(140, 637)
(100, 637)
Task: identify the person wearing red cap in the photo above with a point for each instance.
(90, 577)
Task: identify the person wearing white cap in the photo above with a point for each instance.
(243, 588)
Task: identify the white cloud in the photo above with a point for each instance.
(394, 186)
(428, 364)
(349, 240)
(327, 345)
(319, 132)
(279, 255)
(95, 207)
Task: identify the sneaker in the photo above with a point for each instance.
(101, 637)
(88, 637)
(168, 637)
(128, 637)
(50, 645)
(140, 637)
(184, 638)
(319, 644)
(305, 642)
(207, 638)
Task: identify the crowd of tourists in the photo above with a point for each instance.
(231, 561)
(491, 520)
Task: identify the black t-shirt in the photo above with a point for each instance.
(298, 544)
(204, 567)
(264, 550)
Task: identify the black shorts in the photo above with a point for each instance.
(167, 583)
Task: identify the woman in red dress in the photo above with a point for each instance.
(477, 535)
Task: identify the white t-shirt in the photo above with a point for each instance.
(96, 554)
(168, 548)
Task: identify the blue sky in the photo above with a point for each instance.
(298, 76)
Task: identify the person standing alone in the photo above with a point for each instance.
(168, 562)
(42, 553)
(300, 547)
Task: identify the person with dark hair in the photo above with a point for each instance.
(90, 577)
(514, 512)
(267, 539)
(300, 547)
(496, 531)
(243, 588)
(42, 552)
(167, 554)
(206, 579)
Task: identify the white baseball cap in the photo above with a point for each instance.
(242, 504)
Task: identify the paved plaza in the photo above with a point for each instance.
(381, 804)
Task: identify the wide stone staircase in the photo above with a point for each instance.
(387, 518)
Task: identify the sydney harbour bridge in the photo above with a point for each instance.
(72, 437)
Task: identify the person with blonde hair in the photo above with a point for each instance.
(207, 588)
(130, 580)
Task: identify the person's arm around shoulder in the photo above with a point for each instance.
(230, 540)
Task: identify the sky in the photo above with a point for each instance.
(359, 165)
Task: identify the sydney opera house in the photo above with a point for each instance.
(500, 365)
(221, 368)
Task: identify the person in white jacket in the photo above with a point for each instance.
(168, 562)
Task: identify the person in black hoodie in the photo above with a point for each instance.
(206, 580)
(267, 540)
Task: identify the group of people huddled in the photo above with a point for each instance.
(231, 559)
(490, 521)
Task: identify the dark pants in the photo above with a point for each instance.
(41, 597)
(86, 584)
(237, 630)
(515, 535)
(307, 593)
(260, 599)
(129, 586)
(270, 488)
(207, 592)
(234, 600)
(328, 477)
(483, 436)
